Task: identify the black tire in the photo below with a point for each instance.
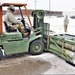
(36, 47)
(1, 54)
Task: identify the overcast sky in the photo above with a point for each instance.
(54, 5)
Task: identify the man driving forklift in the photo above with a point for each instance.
(11, 20)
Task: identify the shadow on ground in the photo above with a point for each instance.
(24, 66)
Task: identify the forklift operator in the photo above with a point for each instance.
(11, 20)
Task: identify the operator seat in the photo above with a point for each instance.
(9, 28)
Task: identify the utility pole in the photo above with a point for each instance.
(35, 3)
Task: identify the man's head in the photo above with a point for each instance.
(11, 8)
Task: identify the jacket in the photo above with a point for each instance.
(66, 21)
(10, 19)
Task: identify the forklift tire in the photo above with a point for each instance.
(36, 47)
(1, 54)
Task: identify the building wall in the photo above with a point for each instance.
(47, 13)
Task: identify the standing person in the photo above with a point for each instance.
(10, 19)
(66, 22)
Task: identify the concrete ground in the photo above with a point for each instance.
(46, 63)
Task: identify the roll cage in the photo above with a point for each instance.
(19, 5)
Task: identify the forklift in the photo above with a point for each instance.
(40, 37)
(12, 41)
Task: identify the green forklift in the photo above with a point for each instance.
(12, 41)
(40, 37)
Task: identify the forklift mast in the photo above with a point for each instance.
(38, 18)
(39, 24)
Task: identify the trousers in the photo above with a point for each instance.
(21, 28)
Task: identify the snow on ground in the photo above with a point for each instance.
(57, 24)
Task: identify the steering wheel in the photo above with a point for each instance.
(24, 22)
(27, 27)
